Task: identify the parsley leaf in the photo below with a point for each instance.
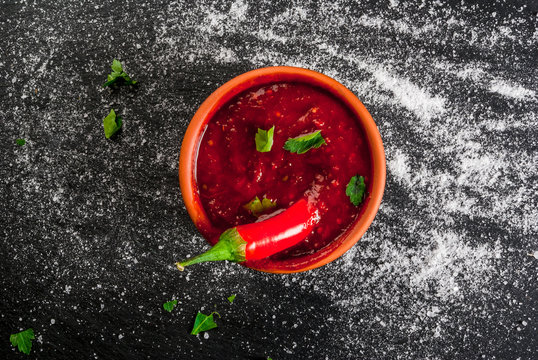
(112, 124)
(257, 206)
(116, 66)
(20, 142)
(264, 139)
(23, 340)
(203, 323)
(231, 298)
(118, 76)
(356, 190)
(170, 305)
(303, 143)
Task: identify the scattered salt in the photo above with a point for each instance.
(460, 191)
(511, 90)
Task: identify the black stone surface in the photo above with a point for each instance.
(90, 228)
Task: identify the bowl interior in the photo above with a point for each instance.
(198, 124)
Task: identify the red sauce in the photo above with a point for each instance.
(231, 172)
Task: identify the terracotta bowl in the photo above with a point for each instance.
(198, 124)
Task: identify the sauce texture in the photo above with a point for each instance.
(230, 171)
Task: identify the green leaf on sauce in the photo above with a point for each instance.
(264, 139)
(231, 298)
(203, 323)
(112, 124)
(170, 305)
(118, 76)
(257, 206)
(20, 142)
(356, 190)
(303, 143)
(23, 340)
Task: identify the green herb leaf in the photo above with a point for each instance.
(170, 305)
(356, 190)
(118, 76)
(112, 124)
(269, 358)
(23, 340)
(303, 143)
(231, 298)
(116, 66)
(203, 323)
(257, 206)
(264, 139)
(20, 142)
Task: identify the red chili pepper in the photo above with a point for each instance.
(261, 239)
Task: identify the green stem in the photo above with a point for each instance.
(230, 246)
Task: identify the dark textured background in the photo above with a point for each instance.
(90, 228)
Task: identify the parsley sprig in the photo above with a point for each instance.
(23, 340)
(264, 139)
(257, 206)
(204, 323)
(118, 76)
(303, 143)
(112, 124)
(356, 190)
(170, 305)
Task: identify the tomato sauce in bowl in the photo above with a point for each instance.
(230, 172)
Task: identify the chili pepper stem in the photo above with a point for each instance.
(230, 246)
